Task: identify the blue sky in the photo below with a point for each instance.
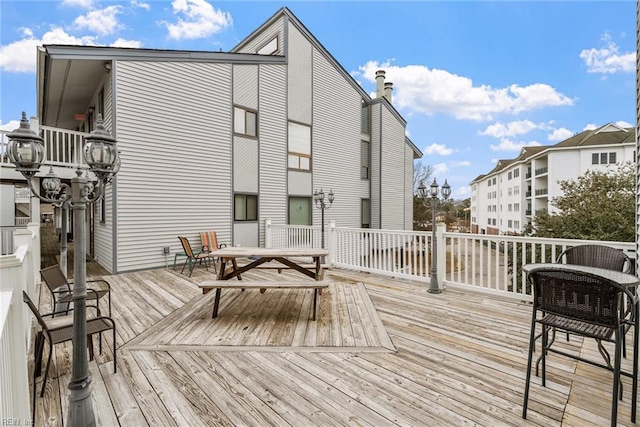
(475, 80)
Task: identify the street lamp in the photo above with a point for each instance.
(26, 151)
(432, 194)
(321, 203)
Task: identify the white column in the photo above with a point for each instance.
(333, 241)
(267, 233)
(442, 253)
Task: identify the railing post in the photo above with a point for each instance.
(34, 227)
(332, 242)
(441, 228)
(267, 233)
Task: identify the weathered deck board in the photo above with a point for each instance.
(385, 352)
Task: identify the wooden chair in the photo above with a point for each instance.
(192, 257)
(58, 330)
(586, 305)
(61, 291)
(210, 243)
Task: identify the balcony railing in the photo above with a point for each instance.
(62, 147)
(542, 191)
(542, 171)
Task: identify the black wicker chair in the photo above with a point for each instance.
(586, 305)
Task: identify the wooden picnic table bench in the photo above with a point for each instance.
(218, 285)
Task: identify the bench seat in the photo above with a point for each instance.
(218, 285)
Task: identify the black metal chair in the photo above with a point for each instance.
(587, 305)
(192, 257)
(58, 330)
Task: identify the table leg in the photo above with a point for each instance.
(216, 303)
(315, 299)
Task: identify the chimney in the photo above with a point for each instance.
(379, 83)
(388, 88)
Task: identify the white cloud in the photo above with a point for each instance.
(81, 3)
(126, 43)
(462, 192)
(10, 125)
(20, 56)
(499, 130)
(509, 145)
(624, 124)
(461, 164)
(608, 59)
(432, 91)
(201, 20)
(559, 134)
(141, 5)
(102, 21)
(439, 149)
(590, 126)
(440, 168)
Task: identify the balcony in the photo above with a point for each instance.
(527, 212)
(542, 171)
(542, 191)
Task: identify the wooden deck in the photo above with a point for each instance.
(382, 352)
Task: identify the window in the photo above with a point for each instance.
(594, 158)
(365, 156)
(516, 207)
(603, 158)
(270, 48)
(516, 173)
(509, 175)
(510, 224)
(365, 118)
(365, 213)
(612, 158)
(516, 189)
(300, 210)
(516, 224)
(244, 121)
(245, 207)
(299, 146)
(509, 191)
(510, 207)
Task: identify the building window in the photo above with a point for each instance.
(594, 158)
(245, 207)
(516, 173)
(516, 224)
(516, 207)
(299, 146)
(300, 210)
(365, 158)
(270, 48)
(245, 121)
(365, 213)
(510, 224)
(612, 158)
(510, 207)
(509, 175)
(603, 158)
(365, 118)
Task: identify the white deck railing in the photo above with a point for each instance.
(490, 264)
(17, 274)
(62, 147)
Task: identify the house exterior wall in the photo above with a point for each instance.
(258, 39)
(272, 111)
(376, 162)
(176, 157)
(393, 191)
(408, 190)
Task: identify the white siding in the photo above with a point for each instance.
(246, 234)
(245, 165)
(376, 123)
(392, 172)
(174, 130)
(272, 201)
(300, 183)
(245, 86)
(265, 36)
(299, 74)
(103, 233)
(336, 142)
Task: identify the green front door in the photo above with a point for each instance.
(300, 210)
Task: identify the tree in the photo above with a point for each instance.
(421, 214)
(599, 205)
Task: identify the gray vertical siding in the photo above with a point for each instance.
(336, 142)
(272, 200)
(103, 233)
(392, 172)
(300, 183)
(376, 123)
(245, 85)
(299, 75)
(176, 157)
(246, 234)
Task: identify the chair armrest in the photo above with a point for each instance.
(100, 281)
(222, 245)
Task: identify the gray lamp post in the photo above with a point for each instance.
(432, 194)
(321, 203)
(26, 151)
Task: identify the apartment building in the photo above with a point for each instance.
(505, 200)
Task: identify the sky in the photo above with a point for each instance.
(476, 81)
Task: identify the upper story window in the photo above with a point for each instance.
(270, 48)
(365, 118)
(509, 175)
(299, 146)
(603, 158)
(245, 121)
(516, 173)
(365, 156)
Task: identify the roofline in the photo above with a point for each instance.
(106, 53)
(417, 154)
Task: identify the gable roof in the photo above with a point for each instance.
(608, 134)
